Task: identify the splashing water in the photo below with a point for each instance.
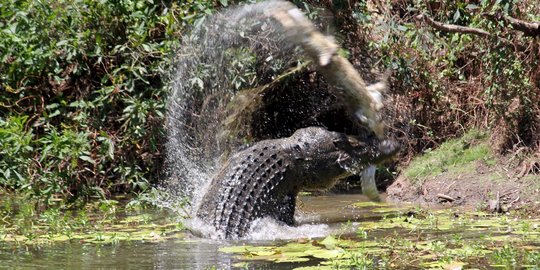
(225, 56)
(264, 229)
(240, 48)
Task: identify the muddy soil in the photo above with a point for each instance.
(491, 188)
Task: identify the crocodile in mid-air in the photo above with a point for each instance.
(264, 179)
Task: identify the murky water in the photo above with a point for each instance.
(190, 252)
(384, 235)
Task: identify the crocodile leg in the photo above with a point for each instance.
(286, 209)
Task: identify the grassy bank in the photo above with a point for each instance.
(466, 171)
(453, 156)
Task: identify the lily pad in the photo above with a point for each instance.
(326, 254)
(246, 249)
(371, 204)
(329, 242)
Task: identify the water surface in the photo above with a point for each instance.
(332, 230)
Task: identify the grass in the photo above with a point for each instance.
(453, 155)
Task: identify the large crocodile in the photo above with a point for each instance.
(264, 179)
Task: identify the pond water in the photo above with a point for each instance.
(334, 231)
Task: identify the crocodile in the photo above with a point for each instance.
(264, 179)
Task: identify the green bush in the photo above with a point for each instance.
(446, 82)
(83, 89)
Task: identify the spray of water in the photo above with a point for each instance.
(226, 53)
(224, 57)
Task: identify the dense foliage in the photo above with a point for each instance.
(83, 90)
(448, 81)
(83, 83)
(445, 81)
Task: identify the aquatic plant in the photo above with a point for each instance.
(410, 239)
(105, 222)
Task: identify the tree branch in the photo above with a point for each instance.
(452, 28)
(531, 29)
(528, 28)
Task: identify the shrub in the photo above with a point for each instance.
(83, 88)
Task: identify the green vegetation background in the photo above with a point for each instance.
(83, 83)
(83, 93)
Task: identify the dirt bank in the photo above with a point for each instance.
(465, 172)
(493, 188)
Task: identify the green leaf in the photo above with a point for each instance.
(457, 15)
(88, 159)
(329, 242)
(326, 254)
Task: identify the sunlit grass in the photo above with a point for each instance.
(455, 154)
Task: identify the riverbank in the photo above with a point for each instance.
(466, 172)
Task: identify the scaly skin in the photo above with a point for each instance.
(264, 179)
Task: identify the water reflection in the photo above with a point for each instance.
(125, 255)
(193, 252)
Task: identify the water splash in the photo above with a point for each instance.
(240, 48)
(268, 229)
(225, 58)
(263, 229)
